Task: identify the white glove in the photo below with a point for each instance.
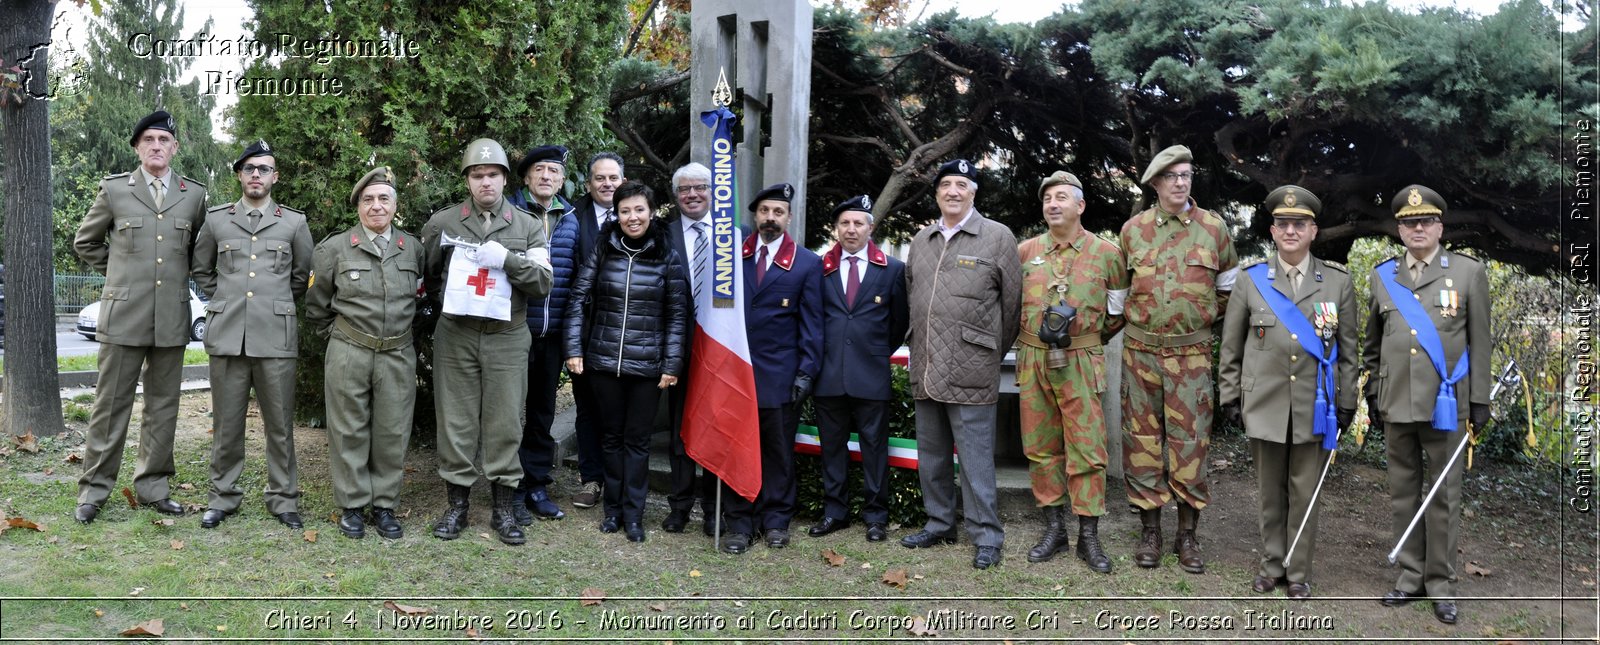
(491, 255)
(541, 257)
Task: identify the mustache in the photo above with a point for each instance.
(770, 226)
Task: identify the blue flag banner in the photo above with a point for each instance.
(724, 206)
(1324, 422)
(1444, 405)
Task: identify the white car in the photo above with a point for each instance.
(89, 317)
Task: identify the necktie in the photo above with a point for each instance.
(701, 250)
(382, 243)
(1416, 271)
(488, 220)
(255, 219)
(609, 216)
(1294, 281)
(761, 265)
(158, 189)
(852, 284)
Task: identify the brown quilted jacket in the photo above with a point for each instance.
(966, 301)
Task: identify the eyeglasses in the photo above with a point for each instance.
(1418, 222)
(250, 169)
(1291, 223)
(1174, 176)
(697, 188)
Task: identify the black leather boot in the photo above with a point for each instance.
(504, 518)
(1054, 538)
(450, 524)
(1089, 544)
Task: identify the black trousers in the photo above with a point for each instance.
(837, 417)
(591, 463)
(624, 427)
(687, 476)
(774, 505)
(538, 450)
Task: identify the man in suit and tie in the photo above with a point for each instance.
(1427, 352)
(864, 319)
(689, 230)
(783, 321)
(252, 259)
(139, 233)
(593, 211)
(1287, 372)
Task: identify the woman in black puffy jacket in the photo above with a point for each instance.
(626, 331)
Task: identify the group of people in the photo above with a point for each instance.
(518, 284)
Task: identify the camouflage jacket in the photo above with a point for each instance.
(1182, 270)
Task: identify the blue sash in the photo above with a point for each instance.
(1444, 405)
(1324, 422)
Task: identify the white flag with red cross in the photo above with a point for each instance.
(473, 290)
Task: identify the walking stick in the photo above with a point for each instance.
(1312, 506)
(1507, 376)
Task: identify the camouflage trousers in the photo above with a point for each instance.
(1064, 429)
(1166, 426)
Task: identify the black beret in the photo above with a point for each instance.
(960, 167)
(557, 154)
(257, 149)
(159, 120)
(861, 203)
(776, 192)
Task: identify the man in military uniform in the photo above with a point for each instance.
(1427, 352)
(364, 300)
(965, 290)
(483, 259)
(252, 258)
(1183, 267)
(1288, 374)
(139, 233)
(1079, 279)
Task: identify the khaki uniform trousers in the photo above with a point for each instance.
(232, 378)
(480, 383)
(120, 366)
(371, 396)
(1286, 475)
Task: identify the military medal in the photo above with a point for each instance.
(1327, 319)
(1445, 308)
(1037, 260)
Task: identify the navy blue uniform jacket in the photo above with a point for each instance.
(783, 319)
(857, 341)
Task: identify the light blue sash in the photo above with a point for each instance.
(1444, 405)
(1324, 422)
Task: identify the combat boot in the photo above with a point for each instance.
(504, 517)
(1089, 544)
(1187, 547)
(1148, 555)
(454, 519)
(1054, 538)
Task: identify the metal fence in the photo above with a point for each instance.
(74, 292)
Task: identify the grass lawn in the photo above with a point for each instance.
(88, 362)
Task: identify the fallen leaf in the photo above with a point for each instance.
(164, 521)
(658, 606)
(99, 613)
(738, 603)
(833, 557)
(917, 577)
(1514, 545)
(484, 535)
(1474, 569)
(695, 573)
(222, 628)
(27, 442)
(472, 633)
(310, 536)
(1468, 513)
(333, 518)
(1581, 569)
(1220, 463)
(184, 606)
(405, 609)
(866, 565)
(919, 627)
(49, 471)
(151, 628)
(128, 493)
(18, 523)
(895, 578)
(186, 486)
(136, 591)
(591, 597)
(177, 545)
(73, 458)
(53, 539)
(1058, 588)
(81, 547)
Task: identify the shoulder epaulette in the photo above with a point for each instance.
(1336, 266)
(1469, 257)
(219, 207)
(192, 181)
(520, 209)
(118, 175)
(292, 210)
(1252, 263)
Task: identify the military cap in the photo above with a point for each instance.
(861, 203)
(1292, 201)
(158, 120)
(960, 167)
(557, 154)
(484, 152)
(1165, 158)
(1418, 201)
(257, 149)
(377, 176)
(1058, 178)
(776, 192)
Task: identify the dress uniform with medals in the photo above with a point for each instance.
(1427, 353)
(481, 350)
(253, 258)
(139, 233)
(1288, 369)
(364, 299)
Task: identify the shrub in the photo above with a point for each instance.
(905, 489)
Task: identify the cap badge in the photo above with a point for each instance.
(866, 202)
(962, 166)
(264, 146)
(1288, 198)
(1415, 199)
(788, 191)
(483, 153)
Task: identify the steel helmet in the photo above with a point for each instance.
(485, 151)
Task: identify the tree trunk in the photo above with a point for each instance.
(32, 396)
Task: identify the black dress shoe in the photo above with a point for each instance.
(86, 513)
(634, 531)
(735, 543)
(925, 538)
(877, 532)
(212, 518)
(166, 507)
(388, 526)
(539, 502)
(1445, 611)
(1396, 598)
(611, 524)
(352, 525)
(826, 526)
(1299, 590)
(777, 538)
(290, 519)
(710, 527)
(985, 557)
(675, 521)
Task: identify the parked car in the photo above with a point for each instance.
(89, 317)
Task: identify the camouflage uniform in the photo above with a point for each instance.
(1063, 426)
(1183, 268)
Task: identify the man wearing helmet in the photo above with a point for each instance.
(483, 259)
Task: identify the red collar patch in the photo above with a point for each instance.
(355, 240)
(785, 255)
(832, 260)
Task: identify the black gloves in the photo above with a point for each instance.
(426, 318)
(1232, 414)
(1374, 413)
(802, 388)
(1478, 413)
(1346, 417)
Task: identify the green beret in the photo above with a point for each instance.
(1058, 178)
(377, 176)
(1417, 201)
(1172, 155)
(1293, 201)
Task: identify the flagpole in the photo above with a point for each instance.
(721, 96)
